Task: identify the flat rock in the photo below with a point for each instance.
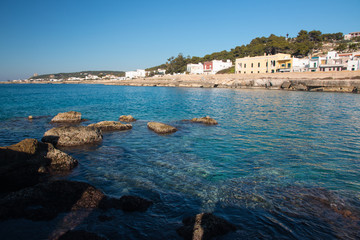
(205, 120)
(161, 127)
(111, 126)
(46, 200)
(204, 226)
(71, 116)
(25, 163)
(127, 118)
(286, 85)
(72, 136)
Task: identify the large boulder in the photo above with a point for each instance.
(127, 118)
(71, 116)
(72, 136)
(204, 226)
(161, 127)
(45, 201)
(205, 120)
(27, 162)
(111, 126)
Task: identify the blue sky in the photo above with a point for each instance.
(51, 36)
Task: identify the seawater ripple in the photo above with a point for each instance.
(279, 165)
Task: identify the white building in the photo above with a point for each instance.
(216, 65)
(195, 68)
(300, 64)
(351, 35)
(139, 73)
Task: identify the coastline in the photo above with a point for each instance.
(344, 81)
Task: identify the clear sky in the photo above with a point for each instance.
(52, 36)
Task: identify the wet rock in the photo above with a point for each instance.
(204, 226)
(45, 201)
(72, 136)
(161, 127)
(127, 118)
(71, 116)
(111, 126)
(105, 218)
(205, 120)
(127, 204)
(25, 163)
(80, 235)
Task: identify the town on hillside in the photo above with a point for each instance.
(308, 52)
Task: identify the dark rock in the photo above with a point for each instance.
(127, 203)
(71, 116)
(127, 118)
(205, 120)
(25, 163)
(104, 218)
(111, 126)
(80, 235)
(300, 87)
(45, 201)
(72, 136)
(204, 226)
(161, 127)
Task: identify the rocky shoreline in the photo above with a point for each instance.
(29, 191)
(345, 81)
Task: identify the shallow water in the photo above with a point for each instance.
(280, 165)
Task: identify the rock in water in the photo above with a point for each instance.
(127, 118)
(204, 226)
(71, 116)
(161, 127)
(205, 120)
(45, 201)
(72, 136)
(24, 163)
(111, 126)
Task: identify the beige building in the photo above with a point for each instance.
(260, 64)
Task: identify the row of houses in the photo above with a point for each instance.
(285, 63)
(211, 67)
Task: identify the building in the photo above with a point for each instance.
(215, 66)
(195, 68)
(351, 35)
(139, 73)
(333, 62)
(292, 65)
(263, 64)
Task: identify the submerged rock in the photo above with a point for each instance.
(24, 163)
(161, 127)
(71, 116)
(111, 126)
(80, 235)
(204, 226)
(45, 201)
(127, 118)
(205, 120)
(72, 136)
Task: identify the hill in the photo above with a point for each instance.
(304, 44)
(82, 74)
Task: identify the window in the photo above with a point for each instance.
(252, 72)
(283, 65)
(267, 64)
(245, 65)
(258, 64)
(314, 65)
(252, 65)
(289, 65)
(258, 71)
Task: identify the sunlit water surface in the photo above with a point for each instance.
(279, 165)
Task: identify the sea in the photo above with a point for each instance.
(279, 165)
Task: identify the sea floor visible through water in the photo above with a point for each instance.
(279, 165)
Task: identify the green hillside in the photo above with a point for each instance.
(79, 74)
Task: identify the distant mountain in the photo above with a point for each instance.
(82, 74)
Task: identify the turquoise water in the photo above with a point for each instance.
(280, 165)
